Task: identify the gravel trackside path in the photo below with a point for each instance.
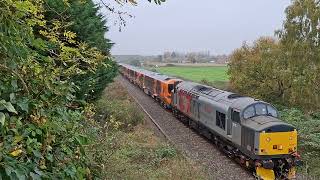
(195, 147)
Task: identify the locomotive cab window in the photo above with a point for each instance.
(175, 85)
(249, 112)
(221, 120)
(170, 88)
(272, 111)
(260, 109)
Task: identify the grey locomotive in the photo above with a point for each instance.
(245, 128)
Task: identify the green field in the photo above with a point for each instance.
(215, 76)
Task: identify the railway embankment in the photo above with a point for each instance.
(131, 147)
(216, 164)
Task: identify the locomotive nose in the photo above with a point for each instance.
(277, 143)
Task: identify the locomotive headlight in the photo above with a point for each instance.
(268, 139)
(290, 138)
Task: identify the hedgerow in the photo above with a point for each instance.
(44, 131)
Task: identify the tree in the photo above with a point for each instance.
(260, 71)
(84, 20)
(300, 38)
(41, 134)
(89, 26)
(288, 71)
(48, 61)
(191, 57)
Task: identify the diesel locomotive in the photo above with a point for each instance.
(246, 129)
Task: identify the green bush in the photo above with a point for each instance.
(308, 137)
(283, 70)
(43, 133)
(90, 86)
(51, 147)
(118, 114)
(170, 65)
(166, 152)
(115, 110)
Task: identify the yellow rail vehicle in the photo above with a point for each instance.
(277, 144)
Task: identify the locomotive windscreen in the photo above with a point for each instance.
(175, 84)
(170, 88)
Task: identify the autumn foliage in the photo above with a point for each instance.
(44, 131)
(285, 70)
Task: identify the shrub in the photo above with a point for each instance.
(51, 147)
(115, 110)
(43, 134)
(90, 86)
(166, 152)
(154, 70)
(170, 65)
(309, 137)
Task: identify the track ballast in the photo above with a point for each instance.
(196, 147)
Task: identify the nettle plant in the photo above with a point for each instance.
(41, 133)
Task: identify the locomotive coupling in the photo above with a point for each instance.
(266, 164)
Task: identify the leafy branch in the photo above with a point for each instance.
(25, 87)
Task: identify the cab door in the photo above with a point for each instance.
(236, 126)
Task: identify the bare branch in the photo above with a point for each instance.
(121, 14)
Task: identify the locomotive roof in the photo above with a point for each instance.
(224, 100)
(260, 123)
(228, 98)
(154, 75)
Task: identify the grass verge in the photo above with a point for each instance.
(128, 149)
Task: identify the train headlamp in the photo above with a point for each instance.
(268, 139)
(290, 138)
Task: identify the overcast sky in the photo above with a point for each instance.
(219, 26)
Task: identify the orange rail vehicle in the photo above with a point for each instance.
(157, 85)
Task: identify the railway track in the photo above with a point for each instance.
(217, 164)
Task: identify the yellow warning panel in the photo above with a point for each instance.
(277, 143)
(265, 174)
